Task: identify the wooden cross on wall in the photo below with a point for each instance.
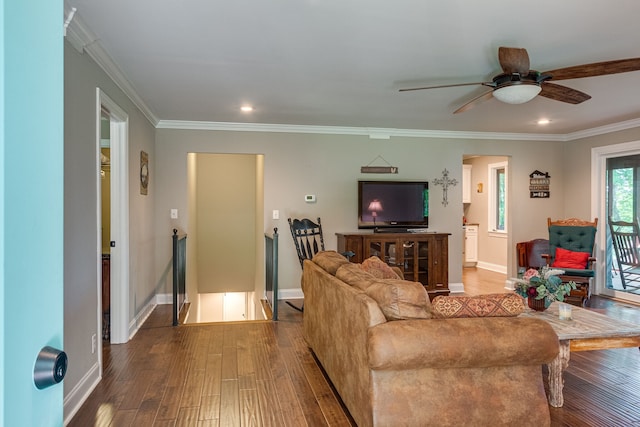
(445, 182)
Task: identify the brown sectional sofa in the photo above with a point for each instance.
(422, 372)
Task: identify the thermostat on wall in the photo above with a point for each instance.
(310, 198)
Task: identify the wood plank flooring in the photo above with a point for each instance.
(263, 374)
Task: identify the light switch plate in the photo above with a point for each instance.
(174, 213)
(276, 214)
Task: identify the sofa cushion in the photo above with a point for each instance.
(329, 261)
(400, 299)
(354, 275)
(489, 305)
(378, 268)
(570, 259)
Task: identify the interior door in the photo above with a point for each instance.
(31, 206)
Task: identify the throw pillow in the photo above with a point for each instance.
(489, 305)
(401, 299)
(353, 275)
(379, 269)
(570, 259)
(329, 261)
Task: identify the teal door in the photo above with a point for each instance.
(31, 206)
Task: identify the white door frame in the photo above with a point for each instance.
(599, 156)
(119, 135)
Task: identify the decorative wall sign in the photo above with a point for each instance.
(379, 169)
(539, 183)
(144, 173)
(445, 182)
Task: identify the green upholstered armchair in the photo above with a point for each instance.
(571, 243)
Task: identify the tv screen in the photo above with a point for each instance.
(397, 204)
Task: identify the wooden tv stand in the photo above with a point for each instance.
(422, 257)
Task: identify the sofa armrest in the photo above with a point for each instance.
(461, 343)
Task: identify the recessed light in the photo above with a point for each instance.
(246, 108)
(544, 121)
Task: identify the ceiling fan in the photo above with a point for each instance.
(518, 84)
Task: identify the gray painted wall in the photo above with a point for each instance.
(329, 167)
(82, 77)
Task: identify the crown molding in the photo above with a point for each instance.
(601, 130)
(386, 133)
(373, 133)
(84, 40)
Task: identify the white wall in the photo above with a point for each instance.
(82, 76)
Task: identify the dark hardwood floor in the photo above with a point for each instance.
(263, 374)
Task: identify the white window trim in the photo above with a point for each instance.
(493, 167)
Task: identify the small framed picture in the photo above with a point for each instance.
(144, 173)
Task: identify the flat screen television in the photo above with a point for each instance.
(393, 204)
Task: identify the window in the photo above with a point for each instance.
(498, 197)
(623, 184)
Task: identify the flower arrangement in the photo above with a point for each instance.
(543, 284)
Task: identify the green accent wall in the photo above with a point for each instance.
(32, 206)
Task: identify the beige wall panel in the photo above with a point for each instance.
(226, 211)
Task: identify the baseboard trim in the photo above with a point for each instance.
(456, 288)
(290, 294)
(492, 267)
(139, 320)
(162, 299)
(80, 393)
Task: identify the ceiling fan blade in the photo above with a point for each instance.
(475, 101)
(440, 86)
(563, 93)
(596, 69)
(514, 60)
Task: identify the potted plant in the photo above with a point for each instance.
(542, 287)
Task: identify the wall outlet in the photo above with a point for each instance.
(94, 343)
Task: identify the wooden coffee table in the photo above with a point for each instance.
(587, 330)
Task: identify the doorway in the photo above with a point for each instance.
(226, 249)
(617, 169)
(485, 212)
(118, 247)
(105, 198)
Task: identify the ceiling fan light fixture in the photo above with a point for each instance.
(517, 93)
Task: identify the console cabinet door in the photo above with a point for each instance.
(353, 243)
(439, 266)
(416, 259)
(422, 258)
(385, 249)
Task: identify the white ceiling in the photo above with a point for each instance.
(341, 63)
